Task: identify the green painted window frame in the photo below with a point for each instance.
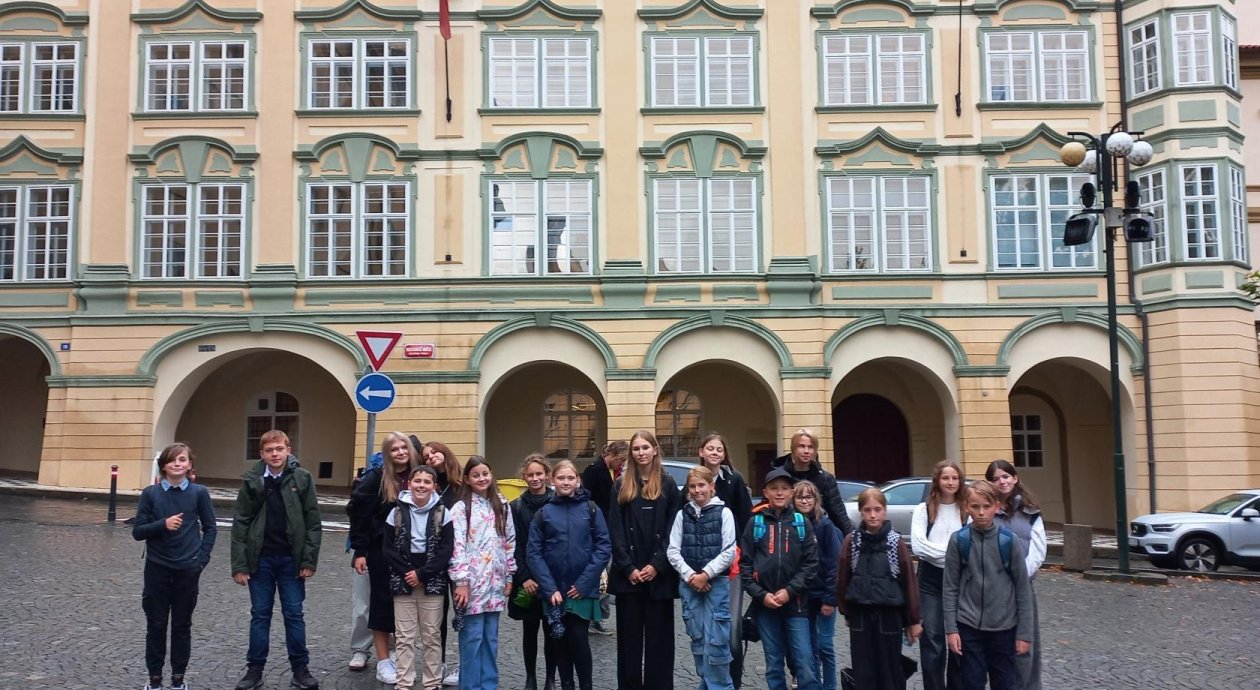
(1036, 102)
(1238, 249)
(307, 38)
(706, 232)
(1131, 46)
(878, 229)
(1045, 224)
(22, 232)
(1175, 200)
(249, 106)
(193, 238)
(874, 35)
(592, 39)
(540, 240)
(1215, 213)
(357, 225)
(1158, 207)
(702, 74)
(26, 78)
(1164, 19)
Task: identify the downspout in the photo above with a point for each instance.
(1143, 318)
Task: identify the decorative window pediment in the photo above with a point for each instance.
(540, 155)
(193, 158)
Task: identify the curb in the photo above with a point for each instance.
(127, 497)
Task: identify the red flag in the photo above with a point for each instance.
(444, 18)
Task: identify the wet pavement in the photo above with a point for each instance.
(70, 585)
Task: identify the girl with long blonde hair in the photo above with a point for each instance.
(934, 522)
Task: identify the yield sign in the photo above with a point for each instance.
(378, 345)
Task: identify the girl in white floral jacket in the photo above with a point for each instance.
(481, 568)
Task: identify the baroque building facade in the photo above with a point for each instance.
(682, 215)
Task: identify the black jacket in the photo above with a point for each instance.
(367, 511)
(640, 534)
(733, 490)
(597, 479)
(523, 508)
(782, 558)
(826, 483)
(433, 563)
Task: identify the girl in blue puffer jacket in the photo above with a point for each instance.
(568, 549)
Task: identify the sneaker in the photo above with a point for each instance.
(598, 628)
(358, 661)
(155, 683)
(252, 678)
(303, 680)
(451, 680)
(177, 682)
(386, 671)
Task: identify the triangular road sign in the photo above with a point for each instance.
(378, 345)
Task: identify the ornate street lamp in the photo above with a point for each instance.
(1098, 155)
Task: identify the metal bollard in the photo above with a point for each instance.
(113, 492)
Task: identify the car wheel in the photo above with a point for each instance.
(1199, 554)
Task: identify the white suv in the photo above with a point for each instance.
(1225, 532)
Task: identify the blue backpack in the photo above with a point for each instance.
(1005, 539)
(759, 526)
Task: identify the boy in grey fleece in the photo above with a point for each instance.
(986, 598)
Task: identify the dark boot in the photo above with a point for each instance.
(566, 685)
(252, 678)
(303, 680)
(531, 679)
(550, 684)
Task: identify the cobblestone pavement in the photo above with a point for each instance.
(71, 618)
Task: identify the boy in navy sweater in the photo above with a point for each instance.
(176, 521)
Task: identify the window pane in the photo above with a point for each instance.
(220, 226)
(907, 241)
(851, 219)
(847, 69)
(1200, 212)
(169, 74)
(332, 74)
(385, 222)
(330, 219)
(1145, 69)
(164, 222)
(568, 220)
(1192, 48)
(675, 71)
(513, 227)
(1017, 221)
(385, 69)
(1153, 197)
(1010, 58)
(10, 78)
(566, 73)
(223, 71)
(1064, 66)
(728, 71)
(677, 222)
(901, 69)
(9, 221)
(54, 69)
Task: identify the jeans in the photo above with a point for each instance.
(479, 651)
(276, 574)
(360, 591)
(168, 594)
(707, 616)
(987, 653)
(875, 646)
(823, 636)
(779, 632)
(941, 669)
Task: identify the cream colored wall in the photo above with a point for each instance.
(213, 421)
(22, 406)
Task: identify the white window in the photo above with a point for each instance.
(725, 81)
(360, 73)
(1029, 212)
(169, 67)
(1229, 51)
(277, 410)
(1144, 67)
(879, 224)
(1154, 196)
(39, 77)
(35, 232)
(1238, 213)
(223, 75)
(192, 231)
(1200, 212)
(532, 73)
(1044, 66)
(358, 230)
(1192, 48)
(895, 72)
(1027, 441)
(206, 76)
(570, 425)
(706, 226)
(530, 219)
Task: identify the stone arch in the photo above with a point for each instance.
(45, 349)
(153, 358)
(719, 320)
(541, 320)
(1069, 316)
(893, 319)
(754, 351)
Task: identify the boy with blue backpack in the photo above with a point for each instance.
(778, 558)
(986, 597)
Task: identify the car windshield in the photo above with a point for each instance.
(1225, 506)
(678, 472)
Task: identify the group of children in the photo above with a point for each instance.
(440, 547)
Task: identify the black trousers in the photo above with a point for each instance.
(875, 647)
(530, 628)
(987, 653)
(573, 652)
(169, 596)
(645, 642)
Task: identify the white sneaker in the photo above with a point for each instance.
(386, 671)
(451, 680)
(358, 661)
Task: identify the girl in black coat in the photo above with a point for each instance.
(370, 503)
(526, 602)
(642, 512)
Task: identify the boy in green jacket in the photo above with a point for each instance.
(275, 548)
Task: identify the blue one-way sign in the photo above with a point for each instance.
(374, 392)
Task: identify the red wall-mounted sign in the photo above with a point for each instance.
(418, 351)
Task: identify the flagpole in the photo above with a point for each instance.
(446, 51)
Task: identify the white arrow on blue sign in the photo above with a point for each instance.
(374, 392)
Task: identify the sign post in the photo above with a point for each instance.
(375, 392)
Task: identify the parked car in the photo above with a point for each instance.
(678, 470)
(850, 488)
(1225, 532)
(903, 495)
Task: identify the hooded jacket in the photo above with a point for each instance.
(826, 483)
(524, 508)
(780, 559)
(568, 545)
(249, 520)
(640, 533)
(983, 593)
(418, 543)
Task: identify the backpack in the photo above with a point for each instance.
(893, 541)
(1005, 539)
(759, 526)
